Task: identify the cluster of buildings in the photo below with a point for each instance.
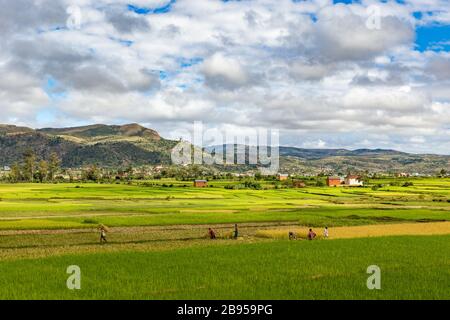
(350, 181)
(4, 171)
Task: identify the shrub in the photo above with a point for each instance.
(320, 183)
(408, 184)
(90, 221)
(377, 186)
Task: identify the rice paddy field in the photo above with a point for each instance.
(158, 247)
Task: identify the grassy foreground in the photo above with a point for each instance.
(411, 268)
(157, 247)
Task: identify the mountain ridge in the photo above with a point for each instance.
(104, 145)
(133, 144)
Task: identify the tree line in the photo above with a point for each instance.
(31, 169)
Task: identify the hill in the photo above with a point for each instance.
(377, 160)
(341, 161)
(96, 144)
(101, 130)
(114, 146)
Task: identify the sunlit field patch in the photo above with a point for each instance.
(402, 229)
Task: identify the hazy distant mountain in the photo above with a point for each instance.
(115, 146)
(312, 154)
(314, 161)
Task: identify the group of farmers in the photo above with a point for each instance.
(310, 236)
(212, 234)
(292, 235)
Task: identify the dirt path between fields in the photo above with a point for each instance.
(36, 244)
(147, 229)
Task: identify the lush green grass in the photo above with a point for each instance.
(317, 217)
(30, 206)
(411, 268)
(175, 261)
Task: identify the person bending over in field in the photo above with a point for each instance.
(211, 234)
(103, 232)
(311, 235)
(292, 236)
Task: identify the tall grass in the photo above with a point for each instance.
(411, 268)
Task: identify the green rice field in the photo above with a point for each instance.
(158, 249)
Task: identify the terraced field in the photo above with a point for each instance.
(79, 206)
(156, 226)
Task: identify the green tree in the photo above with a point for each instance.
(29, 165)
(15, 175)
(53, 166)
(320, 183)
(91, 174)
(42, 171)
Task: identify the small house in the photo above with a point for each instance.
(334, 181)
(402, 175)
(353, 181)
(200, 183)
(282, 176)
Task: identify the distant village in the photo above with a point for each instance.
(198, 176)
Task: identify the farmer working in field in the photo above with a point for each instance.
(311, 234)
(325, 233)
(211, 233)
(236, 232)
(292, 235)
(103, 230)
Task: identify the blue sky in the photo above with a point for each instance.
(165, 8)
(316, 69)
(433, 37)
